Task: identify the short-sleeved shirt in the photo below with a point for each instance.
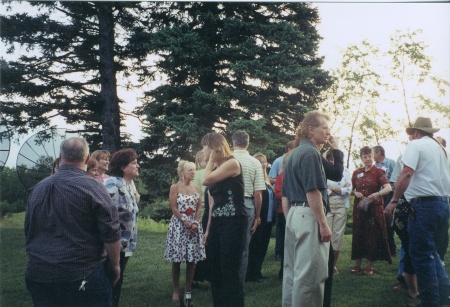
(276, 167)
(397, 170)
(252, 172)
(369, 182)
(304, 172)
(431, 172)
(387, 165)
(69, 217)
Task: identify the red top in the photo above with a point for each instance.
(278, 188)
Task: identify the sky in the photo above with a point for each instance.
(343, 24)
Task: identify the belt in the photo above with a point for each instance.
(303, 204)
(248, 197)
(429, 198)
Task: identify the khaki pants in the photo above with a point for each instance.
(305, 260)
(336, 220)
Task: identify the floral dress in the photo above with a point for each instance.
(180, 246)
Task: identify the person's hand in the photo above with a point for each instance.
(333, 142)
(205, 238)
(193, 230)
(358, 194)
(390, 208)
(256, 223)
(113, 273)
(212, 157)
(325, 233)
(374, 196)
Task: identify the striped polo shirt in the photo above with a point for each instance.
(252, 172)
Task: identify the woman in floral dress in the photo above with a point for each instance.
(185, 236)
(369, 238)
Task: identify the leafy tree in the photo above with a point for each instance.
(370, 84)
(353, 99)
(412, 78)
(225, 62)
(74, 53)
(13, 195)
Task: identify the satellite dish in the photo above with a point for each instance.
(5, 143)
(37, 154)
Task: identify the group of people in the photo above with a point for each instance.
(306, 195)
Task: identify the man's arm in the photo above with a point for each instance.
(113, 252)
(286, 205)
(314, 198)
(257, 201)
(400, 188)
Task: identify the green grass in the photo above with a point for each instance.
(148, 280)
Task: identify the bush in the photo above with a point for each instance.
(158, 211)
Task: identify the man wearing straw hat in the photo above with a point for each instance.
(425, 182)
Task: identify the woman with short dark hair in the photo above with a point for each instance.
(123, 169)
(369, 225)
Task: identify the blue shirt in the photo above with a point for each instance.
(276, 167)
(387, 165)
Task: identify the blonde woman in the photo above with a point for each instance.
(185, 236)
(92, 168)
(102, 157)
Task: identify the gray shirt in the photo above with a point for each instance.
(304, 172)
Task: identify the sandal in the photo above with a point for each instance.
(368, 271)
(356, 270)
(187, 300)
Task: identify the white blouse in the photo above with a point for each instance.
(345, 185)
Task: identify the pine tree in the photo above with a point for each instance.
(226, 62)
(75, 50)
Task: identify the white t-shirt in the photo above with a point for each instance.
(431, 172)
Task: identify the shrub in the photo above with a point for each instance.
(158, 211)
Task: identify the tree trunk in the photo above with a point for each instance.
(110, 118)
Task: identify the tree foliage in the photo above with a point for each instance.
(13, 195)
(224, 65)
(70, 55)
(376, 91)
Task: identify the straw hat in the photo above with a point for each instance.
(422, 124)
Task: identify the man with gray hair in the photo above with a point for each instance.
(71, 228)
(254, 184)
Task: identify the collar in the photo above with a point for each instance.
(241, 151)
(309, 143)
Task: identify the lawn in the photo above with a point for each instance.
(148, 282)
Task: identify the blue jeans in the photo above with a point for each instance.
(97, 292)
(428, 223)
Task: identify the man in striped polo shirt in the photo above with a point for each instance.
(254, 184)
